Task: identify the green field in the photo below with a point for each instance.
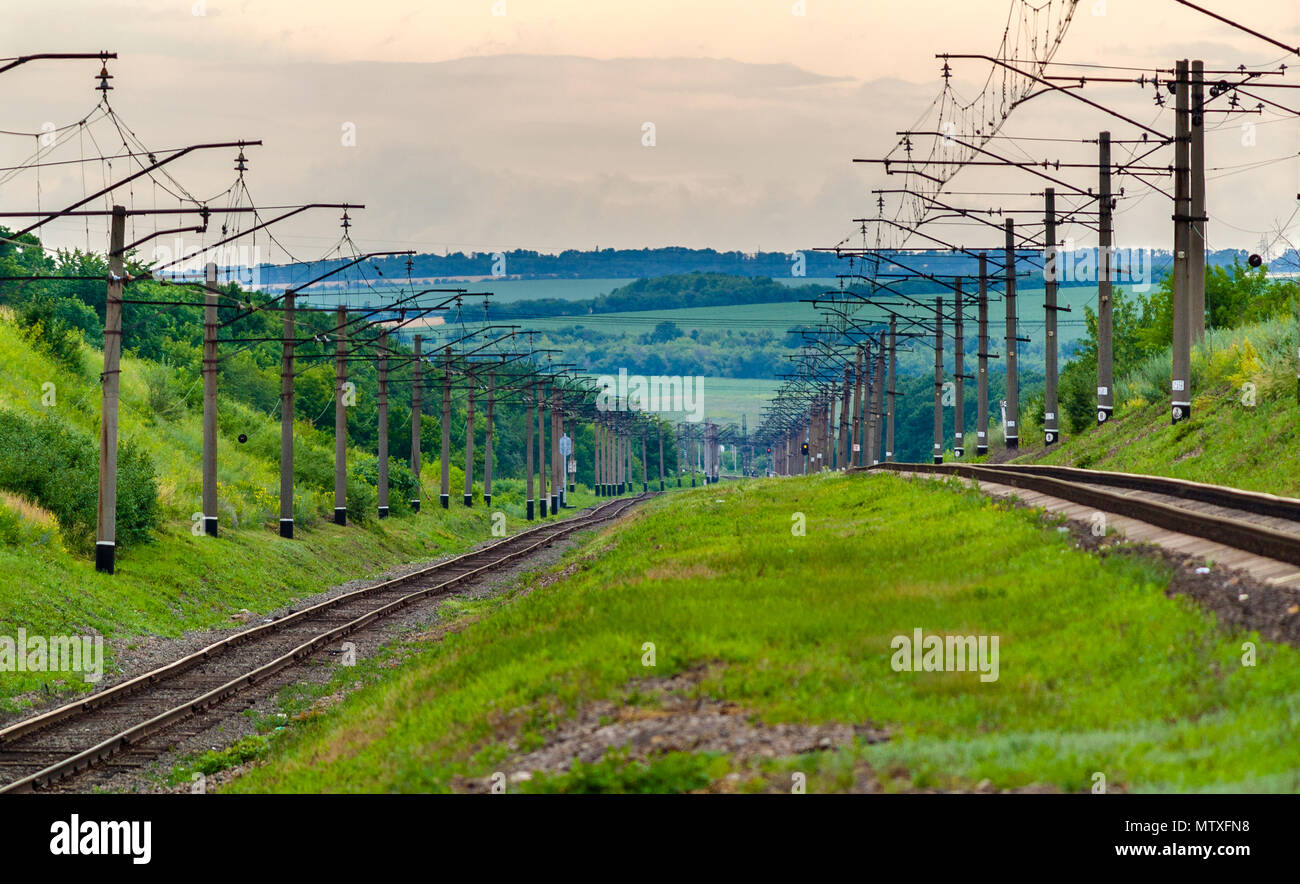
(1099, 673)
(781, 316)
(504, 291)
(726, 400)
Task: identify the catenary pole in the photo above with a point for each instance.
(210, 399)
(1105, 275)
(286, 415)
(383, 425)
(106, 516)
(341, 419)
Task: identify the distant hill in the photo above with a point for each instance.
(652, 263)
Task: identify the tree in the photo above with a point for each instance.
(663, 333)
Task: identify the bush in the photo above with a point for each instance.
(165, 397)
(57, 466)
(401, 484)
(57, 325)
(18, 531)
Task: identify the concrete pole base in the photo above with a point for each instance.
(105, 553)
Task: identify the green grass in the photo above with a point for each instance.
(1227, 441)
(182, 582)
(1099, 670)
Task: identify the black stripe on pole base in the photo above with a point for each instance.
(1013, 442)
(938, 458)
(340, 515)
(531, 515)
(286, 528)
(679, 481)
(469, 500)
(661, 484)
(1181, 411)
(487, 499)
(541, 507)
(415, 506)
(210, 526)
(445, 500)
(105, 553)
(555, 504)
(1104, 413)
(645, 486)
(383, 512)
(692, 481)
(981, 450)
(573, 487)
(1051, 437)
(959, 452)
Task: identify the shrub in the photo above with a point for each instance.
(57, 325)
(57, 466)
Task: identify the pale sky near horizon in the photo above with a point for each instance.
(478, 131)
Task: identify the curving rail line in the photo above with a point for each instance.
(1251, 521)
(38, 751)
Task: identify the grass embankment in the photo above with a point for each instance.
(179, 581)
(1099, 670)
(1245, 419)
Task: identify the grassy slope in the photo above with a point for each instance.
(182, 582)
(1228, 441)
(1099, 670)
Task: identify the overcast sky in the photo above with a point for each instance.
(479, 131)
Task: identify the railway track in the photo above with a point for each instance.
(40, 751)
(1254, 522)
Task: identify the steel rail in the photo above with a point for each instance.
(116, 743)
(1080, 486)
